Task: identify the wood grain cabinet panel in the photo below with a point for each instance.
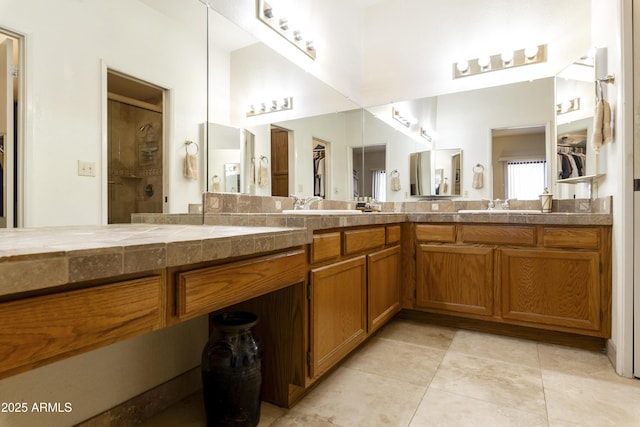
(552, 287)
(356, 241)
(394, 233)
(338, 309)
(445, 233)
(383, 293)
(35, 331)
(455, 278)
(205, 290)
(579, 238)
(325, 246)
(521, 235)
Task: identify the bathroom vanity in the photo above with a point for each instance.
(321, 285)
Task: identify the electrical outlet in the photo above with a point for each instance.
(86, 168)
(435, 207)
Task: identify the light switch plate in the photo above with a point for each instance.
(86, 168)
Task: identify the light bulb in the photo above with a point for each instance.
(484, 62)
(462, 66)
(531, 52)
(507, 57)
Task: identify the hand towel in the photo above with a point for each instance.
(395, 181)
(263, 174)
(478, 180)
(601, 125)
(191, 166)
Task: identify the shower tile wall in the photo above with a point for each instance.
(135, 161)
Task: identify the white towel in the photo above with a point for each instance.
(478, 180)
(601, 125)
(395, 181)
(263, 174)
(191, 166)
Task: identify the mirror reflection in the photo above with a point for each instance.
(575, 102)
(436, 173)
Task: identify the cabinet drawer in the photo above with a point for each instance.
(522, 235)
(325, 246)
(39, 330)
(585, 238)
(360, 240)
(208, 289)
(436, 233)
(393, 234)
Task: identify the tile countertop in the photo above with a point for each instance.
(38, 258)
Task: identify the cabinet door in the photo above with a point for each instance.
(455, 278)
(383, 293)
(552, 287)
(338, 312)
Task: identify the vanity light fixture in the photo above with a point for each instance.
(568, 106)
(405, 121)
(424, 134)
(282, 26)
(507, 59)
(273, 106)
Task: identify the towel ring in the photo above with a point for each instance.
(478, 168)
(186, 147)
(215, 179)
(264, 158)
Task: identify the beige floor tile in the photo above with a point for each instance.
(505, 349)
(187, 413)
(269, 414)
(293, 418)
(441, 408)
(501, 383)
(398, 360)
(574, 361)
(591, 401)
(418, 333)
(352, 398)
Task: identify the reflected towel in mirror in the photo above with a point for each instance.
(191, 166)
(395, 181)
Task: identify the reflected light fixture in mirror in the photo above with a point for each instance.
(405, 121)
(483, 64)
(425, 134)
(282, 104)
(282, 26)
(568, 106)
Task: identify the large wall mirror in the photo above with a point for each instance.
(576, 96)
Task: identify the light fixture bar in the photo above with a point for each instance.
(425, 134)
(274, 106)
(501, 61)
(281, 25)
(568, 106)
(397, 116)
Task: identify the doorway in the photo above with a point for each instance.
(279, 162)
(10, 53)
(371, 171)
(135, 147)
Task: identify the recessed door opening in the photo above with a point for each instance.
(135, 147)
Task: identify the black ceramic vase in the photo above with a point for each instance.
(231, 376)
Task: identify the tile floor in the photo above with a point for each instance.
(413, 374)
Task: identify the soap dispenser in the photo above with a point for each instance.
(546, 200)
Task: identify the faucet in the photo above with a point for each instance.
(303, 202)
(497, 204)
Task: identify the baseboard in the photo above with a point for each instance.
(145, 405)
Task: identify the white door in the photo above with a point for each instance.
(6, 132)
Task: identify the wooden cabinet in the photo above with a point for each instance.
(552, 287)
(38, 330)
(383, 290)
(455, 278)
(352, 291)
(547, 277)
(337, 312)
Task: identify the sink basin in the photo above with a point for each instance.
(506, 211)
(322, 211)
